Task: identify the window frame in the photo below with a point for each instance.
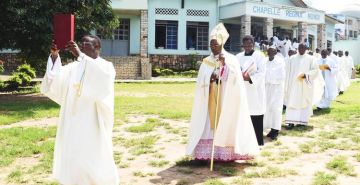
(171, 34)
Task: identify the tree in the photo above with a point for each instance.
(27, 25)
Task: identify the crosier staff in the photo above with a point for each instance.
(217, 67)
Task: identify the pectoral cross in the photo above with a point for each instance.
(204, 85)
(77, 88)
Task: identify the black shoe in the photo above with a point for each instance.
(318, 109)
(289, 126)
(270, 133)
(341, 92)
(275, 135)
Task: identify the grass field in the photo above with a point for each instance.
(151, 123)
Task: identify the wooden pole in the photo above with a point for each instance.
(215, 126)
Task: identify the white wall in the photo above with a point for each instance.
(349, 45)
(226, 2)
(129, 4)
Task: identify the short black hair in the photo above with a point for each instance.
(97, 40)
(329, 49)
(248, 38)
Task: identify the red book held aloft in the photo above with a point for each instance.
(63, 29)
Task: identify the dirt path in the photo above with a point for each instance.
(41, 123)
(157, 164)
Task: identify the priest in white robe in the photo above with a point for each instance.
(329, 69)
(232, 132)
(351, 66)
(252, 64)
(299, 91)
(317, 54)
(85, 91)
(274, 87)
(343, 74)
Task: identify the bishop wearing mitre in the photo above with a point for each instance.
(220, 114)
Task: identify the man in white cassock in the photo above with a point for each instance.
(85, 91)
(301, 72)
(328, 69)
(351, 66)
(232, 132)
(343, 74)
(274, 87)
(317, 54)
(252, 64)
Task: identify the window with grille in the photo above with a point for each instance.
(119, 33)
(166, 11)
(201, 13)
(197, 35)
(166, 34)
(122, 32)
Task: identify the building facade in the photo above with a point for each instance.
(175, 33)
(171, 34)
(348, 28)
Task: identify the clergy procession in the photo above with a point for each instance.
(190, 92)
(238, 99)
(225, 97)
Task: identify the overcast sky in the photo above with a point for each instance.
(335, 6)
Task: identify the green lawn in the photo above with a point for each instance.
(14, 110)
(174, 101)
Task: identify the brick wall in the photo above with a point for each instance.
(175, 62)
(10, 62)
(126, 67)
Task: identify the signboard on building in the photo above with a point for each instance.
(285, 13)
(275, 11)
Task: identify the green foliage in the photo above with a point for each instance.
(19, 142)
(322, 178)
(158, 163)
(357, 157)
(357, 68)
(156, 72)
(22, 77)
(28, 25)
(15, 109)
(27, 69)
(214, 182)
(2, 85)
(166, 72)
(1, 68)
(14, 82)
(25, 79)
(16, 176)
(192, 60)
(190, 73)
(270, 172)
(241, 181)
(340, 165)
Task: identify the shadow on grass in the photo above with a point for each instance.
(192, 172)
(298, 130)
(321, 112)
(16, 108)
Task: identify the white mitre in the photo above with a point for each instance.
(219, 33)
